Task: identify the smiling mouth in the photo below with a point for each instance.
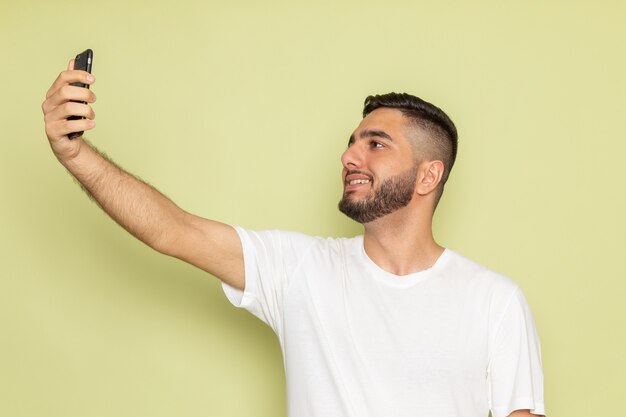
(355, 177)
(354, 182)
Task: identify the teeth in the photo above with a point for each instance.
(359, 182)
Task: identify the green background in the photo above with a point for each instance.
(239, 111)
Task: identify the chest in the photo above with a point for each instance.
(436, 326)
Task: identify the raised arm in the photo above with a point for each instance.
(136, 206)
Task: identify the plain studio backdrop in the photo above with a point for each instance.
(239, 111)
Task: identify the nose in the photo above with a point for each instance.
(352, 158)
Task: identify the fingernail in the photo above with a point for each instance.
(90, 78)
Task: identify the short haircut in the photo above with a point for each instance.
(441, 139)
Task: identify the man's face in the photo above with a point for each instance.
(379, 168)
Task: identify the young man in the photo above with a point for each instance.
(385, 324)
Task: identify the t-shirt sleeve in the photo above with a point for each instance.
(269, 260)
(515, 375)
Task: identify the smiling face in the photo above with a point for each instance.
(379, 167)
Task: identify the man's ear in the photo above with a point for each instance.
(428, 177)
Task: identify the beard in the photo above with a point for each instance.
(393, 194)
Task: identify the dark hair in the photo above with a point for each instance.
(442, 138)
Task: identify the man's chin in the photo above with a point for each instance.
(355, 209)
(356, 196)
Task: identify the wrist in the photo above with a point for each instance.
(75, 156)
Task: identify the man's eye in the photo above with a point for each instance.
(375, 144)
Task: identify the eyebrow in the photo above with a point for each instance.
(371, 134)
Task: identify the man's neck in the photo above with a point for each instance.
(401, 244)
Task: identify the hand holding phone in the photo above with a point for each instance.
(82, 62)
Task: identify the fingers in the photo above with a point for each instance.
(61, 128)
(70, 76)
(65, 94)
(68, 109)
(67, 118)
(67, 101)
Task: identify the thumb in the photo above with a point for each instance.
(70, 65)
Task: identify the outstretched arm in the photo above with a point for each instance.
(136, 206)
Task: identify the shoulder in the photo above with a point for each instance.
(497, 294)
(480, 276)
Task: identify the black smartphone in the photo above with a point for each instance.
(83, 61)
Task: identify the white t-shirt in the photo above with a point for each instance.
(455, 340)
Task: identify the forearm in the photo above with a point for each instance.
(136, 206)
